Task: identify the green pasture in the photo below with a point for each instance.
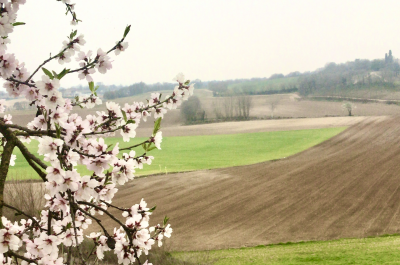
(378, 250)
(189, 153)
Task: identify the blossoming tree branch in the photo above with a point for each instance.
(65, 139)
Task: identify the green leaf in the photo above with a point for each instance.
(58, 130)
(73, 34)
(166, 220)
(130, 121)
(108, 182)
(152, 209)
(47, 72)
(187, 82)
(18, 23)
(55, 74)
(152, 148)
(127, 29)
(144, 147)
(69, 225)
(91, 86)
(124, 114)
(63, 73)
(157, 125)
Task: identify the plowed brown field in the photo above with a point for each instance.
(348, 186)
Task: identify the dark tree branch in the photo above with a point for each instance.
(12, 254)
(113, 206)
(23, 213)
(106, 212)
(94, 218)
(31, 132)
(5, 162)
(133, 146)
(25, 152)
(11, 79)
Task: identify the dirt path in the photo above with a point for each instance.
(362, 100)
(256, 126)
(347, 186)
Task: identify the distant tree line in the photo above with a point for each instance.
(140, 88)
(251, 86)
(233, 107)
(23, 105)
(136, 89)
(220, 89)
(356, 74)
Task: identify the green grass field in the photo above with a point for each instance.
(378, 250)
(212, 151)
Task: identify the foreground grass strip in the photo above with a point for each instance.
(379, 250)
(189, 153)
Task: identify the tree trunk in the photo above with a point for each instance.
(4, 165)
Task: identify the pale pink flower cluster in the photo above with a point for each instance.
(137, 226)
(90, 194)
(69, 48)
(121, 47)
(9, 65)
(67, 140)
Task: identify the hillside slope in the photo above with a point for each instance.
(347, 186)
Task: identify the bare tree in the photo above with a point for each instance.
(349, 107)
(273, 102)
(217, 109)
(229, 106)
(243, 106)
(232, 107)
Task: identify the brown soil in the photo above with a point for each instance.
(347, 186)
(291, 105)
(171, 125)
(257, 126)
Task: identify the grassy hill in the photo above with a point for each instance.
(189, 153)
(379, 250)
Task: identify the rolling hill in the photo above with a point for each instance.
(347, 186)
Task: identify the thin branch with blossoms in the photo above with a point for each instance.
(65, 139)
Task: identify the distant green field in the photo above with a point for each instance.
(379, 250)
(189, 153)
(264, 85)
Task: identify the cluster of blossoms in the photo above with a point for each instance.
(66, 140)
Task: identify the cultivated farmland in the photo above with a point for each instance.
(344, 187)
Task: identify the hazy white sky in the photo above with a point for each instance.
(211, 39)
